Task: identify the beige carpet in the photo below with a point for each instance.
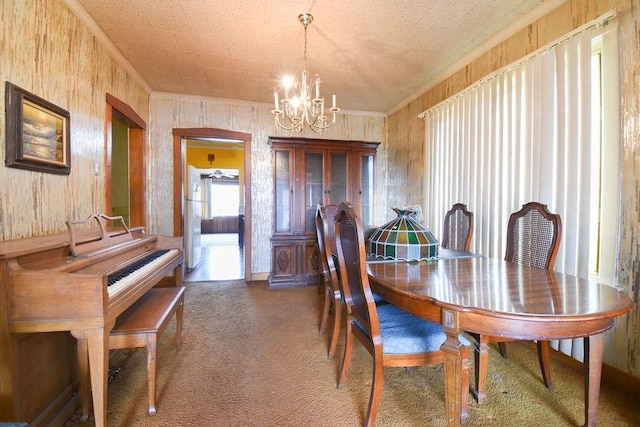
(252, 357)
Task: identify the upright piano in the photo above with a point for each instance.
(74, 284)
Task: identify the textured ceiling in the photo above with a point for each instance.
(373, 54)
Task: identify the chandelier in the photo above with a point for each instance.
(298, 107)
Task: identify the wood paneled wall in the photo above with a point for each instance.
(221, 224)
(406, 137)
(47, 50)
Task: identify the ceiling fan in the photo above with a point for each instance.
(224, 173)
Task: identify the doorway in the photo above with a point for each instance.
(120, 170)
(224, 256)
(125, 154)
(215, 235)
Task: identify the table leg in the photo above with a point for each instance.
(481, 360)
(457, 370)
(593, 351)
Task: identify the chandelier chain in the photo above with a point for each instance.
(305, 45)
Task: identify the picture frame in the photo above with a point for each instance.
(37, 133)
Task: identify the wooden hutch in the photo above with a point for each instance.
(308, 172)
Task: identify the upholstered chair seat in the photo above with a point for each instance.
(404, 333)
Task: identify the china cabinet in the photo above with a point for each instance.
(308, 172)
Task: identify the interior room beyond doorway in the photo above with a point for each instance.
(220, 168)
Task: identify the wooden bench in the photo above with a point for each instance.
(141, 325)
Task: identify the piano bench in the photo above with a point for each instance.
(142, 323)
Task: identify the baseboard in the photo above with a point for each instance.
(259, 277)
(611, 376)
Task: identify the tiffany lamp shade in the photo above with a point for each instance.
(403, 239)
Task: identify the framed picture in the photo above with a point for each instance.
(37, 133)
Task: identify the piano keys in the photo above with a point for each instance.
(118, 277)
(53, 285)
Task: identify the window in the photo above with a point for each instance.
(225, 199)
(605, 157)
(545, 129)
(222, 194)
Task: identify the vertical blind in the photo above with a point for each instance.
(521, 135)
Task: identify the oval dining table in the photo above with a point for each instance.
(495, 297)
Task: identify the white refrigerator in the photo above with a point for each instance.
(192, 217)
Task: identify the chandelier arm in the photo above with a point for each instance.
(320, 128)
(293, 125)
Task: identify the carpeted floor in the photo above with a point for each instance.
(252, 357)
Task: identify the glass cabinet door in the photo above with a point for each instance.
(283, 190)
(339, 179)
(367, 182)
(314, 187)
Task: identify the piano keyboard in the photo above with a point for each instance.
(124, 277)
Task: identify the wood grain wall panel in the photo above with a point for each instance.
(220, 224)
(406, 129)
(49, 51)
(626, 337)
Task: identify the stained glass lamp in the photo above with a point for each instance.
(403, 239)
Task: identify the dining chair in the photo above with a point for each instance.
(458, 228)
(325, 231)
(533, 239)
(394, 338)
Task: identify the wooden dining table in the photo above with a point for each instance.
(491, 296)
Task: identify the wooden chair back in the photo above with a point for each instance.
(325, 228)
(533, 236)
(352, 265)
(325, 231)
(533, 239)
(408, 340)
(458, 228)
